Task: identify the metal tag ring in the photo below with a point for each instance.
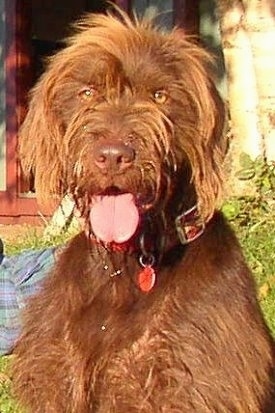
(147, 260)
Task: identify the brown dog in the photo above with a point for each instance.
(152, 308)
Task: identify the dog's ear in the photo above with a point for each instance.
(208, 164)
(40, 139)
(203, 122)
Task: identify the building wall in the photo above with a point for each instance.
(2, 101)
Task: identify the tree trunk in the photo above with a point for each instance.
(260, 25)
(248, 38)
(62, 220)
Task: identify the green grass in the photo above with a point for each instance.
(7, 404)
(33, 240)
(254, 224)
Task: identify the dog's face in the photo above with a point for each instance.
(126, 109)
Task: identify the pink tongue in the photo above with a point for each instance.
(114, 218)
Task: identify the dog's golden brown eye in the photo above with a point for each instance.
(160, 96)
(87, 93)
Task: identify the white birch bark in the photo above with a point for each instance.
(259, 23)
(242, 90)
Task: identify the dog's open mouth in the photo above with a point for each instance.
(114, 216)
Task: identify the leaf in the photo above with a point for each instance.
(231, 210)
(245, 174)
(266, 183)
(263, 291)
(246, 161)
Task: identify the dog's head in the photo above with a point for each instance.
(126, 116)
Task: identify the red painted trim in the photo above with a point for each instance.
(24, 74)
(11, 118)
(11, 206)
(31, 220)
(17, 70)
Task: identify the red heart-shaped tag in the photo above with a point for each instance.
(146, 278)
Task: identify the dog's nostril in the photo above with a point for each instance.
(114, 156)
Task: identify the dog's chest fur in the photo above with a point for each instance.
(124, 349)
(180, 348)
(118, 338)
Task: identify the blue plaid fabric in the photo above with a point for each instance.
(20, 277)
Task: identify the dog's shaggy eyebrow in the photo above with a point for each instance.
(132, 43)
(119, 38)
(119, 51)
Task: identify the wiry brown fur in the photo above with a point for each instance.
(197, 342)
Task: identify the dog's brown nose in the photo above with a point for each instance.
(114, 156)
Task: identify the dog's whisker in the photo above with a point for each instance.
(77, 169)
(166, 192)
(157, 130)
(158, 137)
(148, 183)
(171, 161)
(141, 169)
